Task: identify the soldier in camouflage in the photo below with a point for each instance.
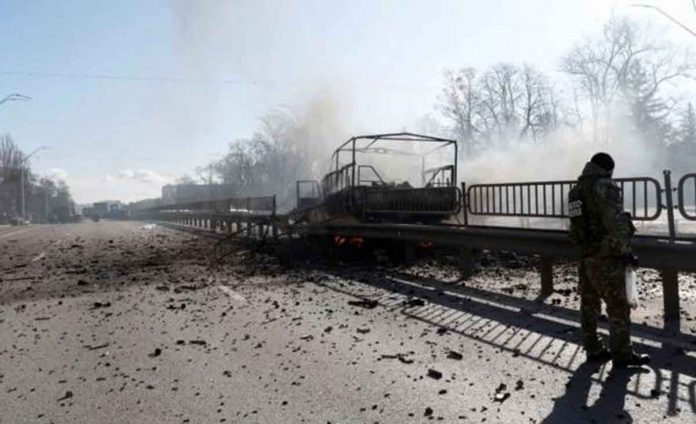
(602, 231)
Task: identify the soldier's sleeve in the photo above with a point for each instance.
(615, 220)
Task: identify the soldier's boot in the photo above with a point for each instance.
(600, 356)
(595, 349)
(634, 360)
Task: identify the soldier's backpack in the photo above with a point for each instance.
(580, 232)
(578, 227)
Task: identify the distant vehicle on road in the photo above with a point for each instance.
(64, 214)
(18, 220)
(107, 209)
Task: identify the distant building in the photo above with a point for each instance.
(144, 204)
(114, 209)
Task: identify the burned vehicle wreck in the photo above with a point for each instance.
(397, 177)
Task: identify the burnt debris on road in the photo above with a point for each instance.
(262, 335)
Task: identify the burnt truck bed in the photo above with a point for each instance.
(395, 204)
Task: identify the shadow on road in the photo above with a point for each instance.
(546, 334)
(610, 404)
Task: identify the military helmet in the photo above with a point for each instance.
(603, 160)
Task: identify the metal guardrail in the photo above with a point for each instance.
(253, 204)
(548, 199)
(253, 217)
(642, 196)
(654, 252)
(261, 204)
(684, 196)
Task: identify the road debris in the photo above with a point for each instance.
(68, 394)
(454, 355)
(501, 393)
(365, 303)
(95, 347)
(435, 374)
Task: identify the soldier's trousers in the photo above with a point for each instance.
(604, 279)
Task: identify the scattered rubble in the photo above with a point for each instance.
(454, 355)
(68, 394)
(367, 304)
(435, 374)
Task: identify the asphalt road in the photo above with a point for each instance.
(122, 322)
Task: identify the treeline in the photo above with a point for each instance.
(285, 149)
(620, 87)
(45, 200)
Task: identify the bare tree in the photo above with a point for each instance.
(11, 162)
(681, 153)
(539, 107)
(460, 103)
(626, 69)
(504, 103)
(42, 194)
(264, 163)
(686, 130)
(501, 92)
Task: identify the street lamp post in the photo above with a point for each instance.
(21, 179)
(15, 97)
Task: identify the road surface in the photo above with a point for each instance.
(124, 322)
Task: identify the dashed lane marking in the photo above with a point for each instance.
(232, 294)
(17, 232)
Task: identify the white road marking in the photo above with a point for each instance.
(17, 232)
(62, 239)
(232, 294)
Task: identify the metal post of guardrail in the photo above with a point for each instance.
(248, 220)
(669, 204)
(670, 297)
(546, 270)
(670, 277)
(465, 201)
(467, 262)
(274, 227)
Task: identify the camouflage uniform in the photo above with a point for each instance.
(604, 240)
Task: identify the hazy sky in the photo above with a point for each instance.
(129, 95)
